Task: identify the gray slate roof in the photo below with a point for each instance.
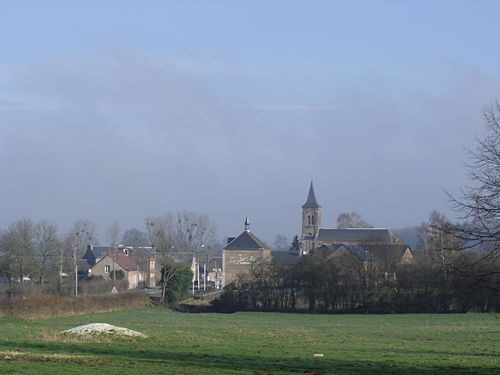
(360, 251)
(286, 257)
(367, 253)
(246, 241)
(384, 252)
(145, 251)
(101, 251)
(354, 234)
(311, 201)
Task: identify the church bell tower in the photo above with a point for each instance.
(311, 220)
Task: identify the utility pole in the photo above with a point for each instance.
(205, 276)
(198, 275)
(76, 276)
(114, 272)
(194, 273)
(75, 258)
(61, 270)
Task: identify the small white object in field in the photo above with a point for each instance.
(318, 355)
(97, 329)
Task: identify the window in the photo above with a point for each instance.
(312, 219)
(107, 269)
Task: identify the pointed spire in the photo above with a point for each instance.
(247, 224)
(311, 201)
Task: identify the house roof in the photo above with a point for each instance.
(383, 252)
(89, 256)
(145, 251)
(366, 253)
(311, 201)
(354, 234)
(124, 261)
(246, 241)
(101, 251)
(358, 250)
(83, 265)
(286, 256)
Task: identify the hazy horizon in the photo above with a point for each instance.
(123, 110)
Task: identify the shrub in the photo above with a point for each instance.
(45, 306)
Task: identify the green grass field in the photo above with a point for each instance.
(257, 343)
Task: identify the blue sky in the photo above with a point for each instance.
(122, 109)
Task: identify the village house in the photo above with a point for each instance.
(133, 274)
(144, 257)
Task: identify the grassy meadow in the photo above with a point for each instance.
(256, 343)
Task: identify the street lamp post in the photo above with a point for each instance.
(194, 276)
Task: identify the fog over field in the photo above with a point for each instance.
(116, 111)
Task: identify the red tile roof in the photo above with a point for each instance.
(125, 262)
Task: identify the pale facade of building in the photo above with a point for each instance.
(241, 254)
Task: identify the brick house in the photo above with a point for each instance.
(241, 254)
(144, 257)
(120, 261)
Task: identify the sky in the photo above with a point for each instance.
(119, 110)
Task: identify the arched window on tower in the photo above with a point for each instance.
(312, 220)
(308, 219)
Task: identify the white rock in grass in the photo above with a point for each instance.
(96, 329)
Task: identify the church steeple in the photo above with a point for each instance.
(311, 220)
(247, 224)
(311, 201)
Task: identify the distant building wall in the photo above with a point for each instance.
(240, 262)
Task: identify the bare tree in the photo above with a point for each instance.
(135, 237)
(281, 243)
(480, 201)
(17, 250)
(438, 242)
(114, 238)
(176, 238)
(351, 220)
(81, 235)
(47, 246)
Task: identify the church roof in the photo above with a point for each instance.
(354, 234)
(246, 241)
(385, 252)
(311, 201)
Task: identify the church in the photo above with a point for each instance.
(313, 236)
(367, 245)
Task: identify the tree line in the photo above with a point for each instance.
(456, 269)
(328, 284)
(38, 255)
